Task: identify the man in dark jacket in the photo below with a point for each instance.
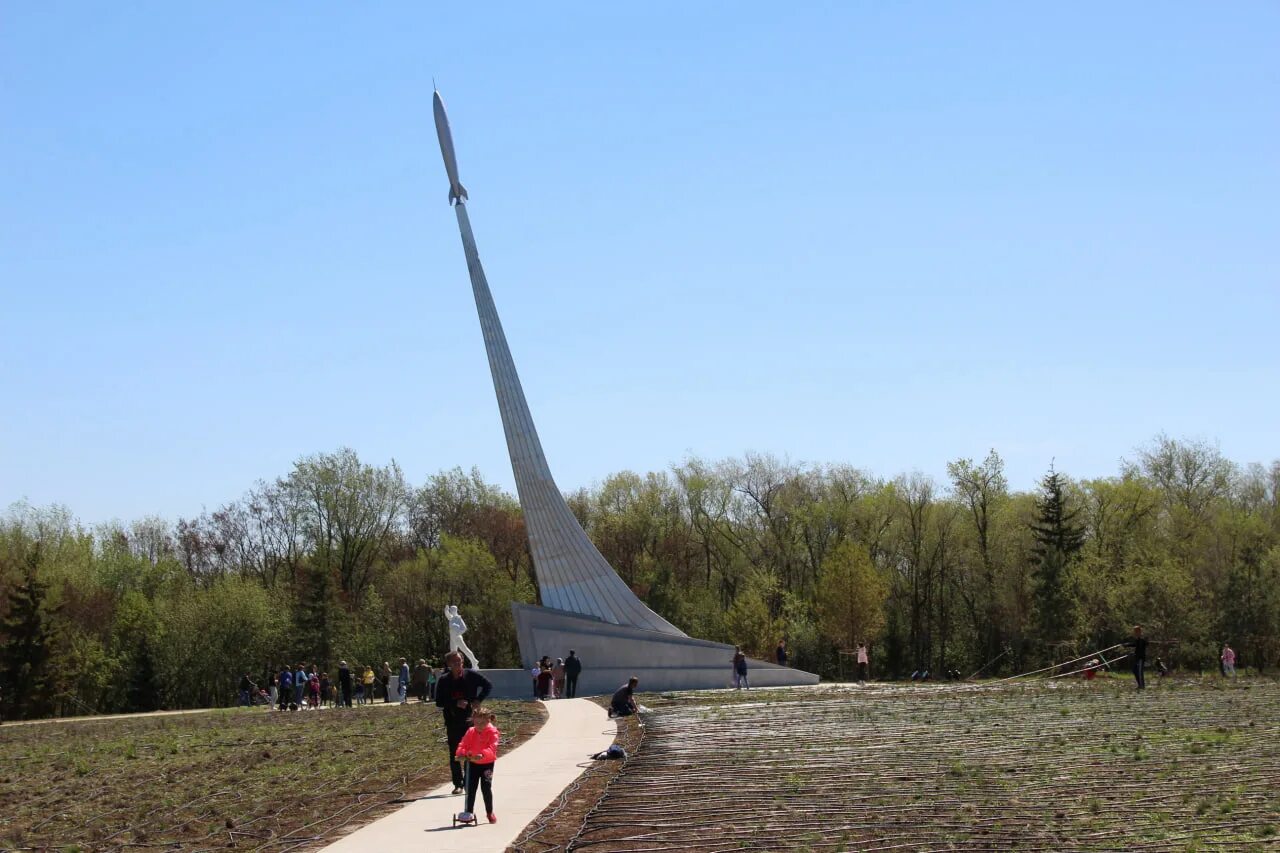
(1139, 646)
(457, 692)
(344, 685)
(572, 669)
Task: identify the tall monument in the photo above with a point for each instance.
(586, 604)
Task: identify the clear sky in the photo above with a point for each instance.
(883, 234)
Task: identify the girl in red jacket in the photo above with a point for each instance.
(479, 746)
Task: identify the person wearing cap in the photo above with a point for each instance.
(344, 684)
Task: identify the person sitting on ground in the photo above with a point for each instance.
(623, 703)
(479, 747)
(1161, 669)
(1091, 669)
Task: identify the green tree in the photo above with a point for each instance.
(28, 642)
(748, 620)
(982, 489)
(851, 597)
(1058, 539)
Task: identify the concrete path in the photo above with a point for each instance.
(525, 781)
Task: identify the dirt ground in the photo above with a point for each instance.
(236, 779)
(1186, 765)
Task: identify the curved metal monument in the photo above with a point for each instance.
(587, 606)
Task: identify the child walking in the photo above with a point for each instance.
(479, 747)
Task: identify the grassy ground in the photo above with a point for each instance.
(1187, 765)
(244, 779)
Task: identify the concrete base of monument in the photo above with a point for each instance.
(613, 653)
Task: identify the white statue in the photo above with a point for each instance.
(456, 629)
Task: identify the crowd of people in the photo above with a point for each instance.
(558, 680)
(308, 687)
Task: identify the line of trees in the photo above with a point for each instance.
(341, 559)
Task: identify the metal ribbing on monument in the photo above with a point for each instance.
(572, 573)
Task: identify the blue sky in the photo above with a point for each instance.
(889, 235)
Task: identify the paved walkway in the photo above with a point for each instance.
(525, 781)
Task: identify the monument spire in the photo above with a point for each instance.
(572, 575)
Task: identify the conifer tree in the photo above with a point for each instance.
(27, 644)
(1058, 539)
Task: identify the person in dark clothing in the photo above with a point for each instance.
(247, 690)
(1139, 646)
(457, 692)
(572, 669)
(545, 681)
(781, 653)
(286, 687)
(623, 703)
(344, 685)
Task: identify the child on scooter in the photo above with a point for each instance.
(479, 747)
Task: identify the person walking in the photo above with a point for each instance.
(572, 669)
(781, 653)
(557, 679)
(246, 690)
(1228, 661)
(420, 680)
(739, 668)
(479, 747)
(286, 688)
(864, 660)
(544, 680)
(458, 692)
(313, 691)
(1139, 645)
(344, 684)
(403, 682)
(385, 679)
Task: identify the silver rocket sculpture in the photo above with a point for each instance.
(457, 192)
(572, 575)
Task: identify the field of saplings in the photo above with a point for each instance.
(1186, 765)
(235, 779)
